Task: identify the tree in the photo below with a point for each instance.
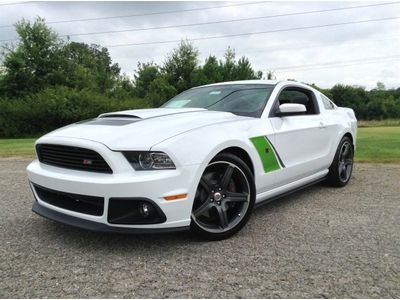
(34, 63)
(271, 75)
(160, 91)
(210, 72)
(88, 66)
(350, 96)
(237, 70)
(145, 75)
(41, 59)
(181, 72)
(228, 65)
(380, 86)
(180, 66)
(124, 88)
(244, 70)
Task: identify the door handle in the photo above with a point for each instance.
(322, 125)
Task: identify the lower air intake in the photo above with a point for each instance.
(89, 205)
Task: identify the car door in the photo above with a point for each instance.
(299, 139)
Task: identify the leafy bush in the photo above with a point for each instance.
(55, 107)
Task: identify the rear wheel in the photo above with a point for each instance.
(224, 198)
(342, 165)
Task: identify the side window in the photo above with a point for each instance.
(300, 96)
(327, 103)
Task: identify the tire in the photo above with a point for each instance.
(342, 166)
(224, 198)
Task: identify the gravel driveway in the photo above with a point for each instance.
(321, 242)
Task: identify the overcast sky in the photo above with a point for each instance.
(356, 54)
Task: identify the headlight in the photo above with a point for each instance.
(145, 160)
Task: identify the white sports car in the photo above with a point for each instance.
(201, 161)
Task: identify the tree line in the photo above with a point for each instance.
(47, 82)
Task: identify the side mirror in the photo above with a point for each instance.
(288, 109)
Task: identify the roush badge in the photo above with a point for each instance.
(87, 162)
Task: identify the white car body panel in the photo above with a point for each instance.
(148, 128)
(305, 146)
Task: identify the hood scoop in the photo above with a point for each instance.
(114, 115)
(111, 121)
(149, 113)
(132, 116)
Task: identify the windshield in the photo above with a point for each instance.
(245, 100)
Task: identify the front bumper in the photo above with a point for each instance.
(96, 226)
(124, 182)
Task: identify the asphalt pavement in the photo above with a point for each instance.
(320, 242)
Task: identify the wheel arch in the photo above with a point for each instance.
(350, 136)
(337, 143)
(241, 153)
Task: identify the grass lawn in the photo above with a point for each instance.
(378, 144)
(374, 144)
(17, 147)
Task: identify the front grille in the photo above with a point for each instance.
(80, 203)
(72, 158)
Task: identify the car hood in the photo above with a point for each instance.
(142, 128)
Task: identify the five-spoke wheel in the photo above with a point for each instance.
(224, 198)
(342, 165)
(345, 161)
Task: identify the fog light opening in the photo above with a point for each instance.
(145, 209)
(134, 211)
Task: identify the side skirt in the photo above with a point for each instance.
(288, 192)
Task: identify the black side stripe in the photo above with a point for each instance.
(276, 153)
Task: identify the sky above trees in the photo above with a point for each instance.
(358, 53)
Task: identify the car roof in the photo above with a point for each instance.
(244, 82)
(261, 82)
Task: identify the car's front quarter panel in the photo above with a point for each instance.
(200, 146)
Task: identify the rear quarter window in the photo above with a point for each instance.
(328, 104)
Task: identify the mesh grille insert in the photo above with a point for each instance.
(72, 158)
(80, 203)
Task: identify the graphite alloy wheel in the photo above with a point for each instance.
(342, 166)
(224, 198)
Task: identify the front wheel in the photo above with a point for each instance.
(224, 198)
(342, 165)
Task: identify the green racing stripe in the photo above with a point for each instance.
(267, 153)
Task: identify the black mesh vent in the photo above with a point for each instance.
(80, 203)
(72, 158)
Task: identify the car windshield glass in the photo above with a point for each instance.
(245, 100)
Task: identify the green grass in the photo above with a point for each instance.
(378, 144)
(374, 144)
(17, 147)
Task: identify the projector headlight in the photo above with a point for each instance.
(149, 160)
